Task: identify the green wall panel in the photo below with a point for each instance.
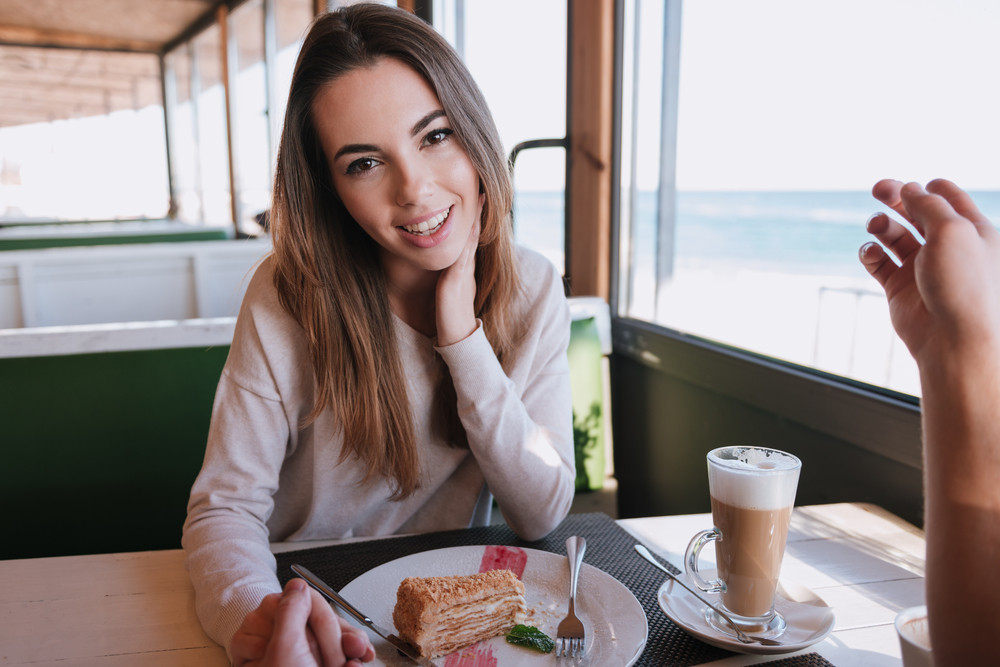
(586, 375)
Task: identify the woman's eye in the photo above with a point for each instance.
(361, 165)
(437, 136)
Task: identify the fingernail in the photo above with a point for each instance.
(296, 585)
(864, 250)
(872, 218)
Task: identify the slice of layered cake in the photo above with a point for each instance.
(439, 615)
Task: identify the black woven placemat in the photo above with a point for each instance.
(807, 660)
(609, 548)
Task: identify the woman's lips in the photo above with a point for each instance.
(430, 232)
(429, 226)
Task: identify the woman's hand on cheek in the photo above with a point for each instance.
(456, 290)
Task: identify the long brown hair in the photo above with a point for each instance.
(327, 272)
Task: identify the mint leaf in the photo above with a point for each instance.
(530, 637)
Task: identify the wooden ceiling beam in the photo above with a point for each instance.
(34, 99)
(20, 36)
(74, 81)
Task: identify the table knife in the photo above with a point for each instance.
(403, 647)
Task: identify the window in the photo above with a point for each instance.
(197, 112)
(264, 37)
(182, 136)
(291, 20)
(85, 141)
(210, 104)
(752, 133)
(524, 81)
(248, 112)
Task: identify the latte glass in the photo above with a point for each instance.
(914, 637)
(752, 491)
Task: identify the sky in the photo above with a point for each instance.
(521, 68)
(775, 94)
(837, 95)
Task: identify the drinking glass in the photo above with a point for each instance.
(752, 492)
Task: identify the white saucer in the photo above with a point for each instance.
(809, 618)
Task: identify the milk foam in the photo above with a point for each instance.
(762, 479)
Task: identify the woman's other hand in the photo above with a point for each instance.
(455, 306)
(298, 627)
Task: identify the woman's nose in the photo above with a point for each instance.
(414, 183)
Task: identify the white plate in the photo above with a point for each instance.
(614, 619)
(808, 617)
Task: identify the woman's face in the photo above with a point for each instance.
(397, 167)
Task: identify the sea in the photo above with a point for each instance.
(809, 232)
(773, 272)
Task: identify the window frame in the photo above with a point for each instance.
(877, 420)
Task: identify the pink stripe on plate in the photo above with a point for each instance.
(477, 655)
(504, 558)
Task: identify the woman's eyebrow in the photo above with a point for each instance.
(427, 120)
(355, 148)
(371, 148)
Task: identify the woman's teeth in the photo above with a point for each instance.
(428, 227)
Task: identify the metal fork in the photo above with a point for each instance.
(570, 637)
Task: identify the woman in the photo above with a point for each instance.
(396, 363)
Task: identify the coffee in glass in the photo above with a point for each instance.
(752, 492)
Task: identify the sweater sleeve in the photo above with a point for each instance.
(521, 433)
(225, 535)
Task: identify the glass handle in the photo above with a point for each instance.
(694, 548)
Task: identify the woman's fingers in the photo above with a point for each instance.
(469, 252)
(472, 243)
(456, 292)
(465, 264)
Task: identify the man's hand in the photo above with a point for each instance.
(298, 628)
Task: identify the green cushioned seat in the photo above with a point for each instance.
(100, 450)
(66, 241)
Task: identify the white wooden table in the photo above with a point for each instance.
(864, 562)
(138, 608)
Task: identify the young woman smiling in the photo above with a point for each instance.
(397, 361)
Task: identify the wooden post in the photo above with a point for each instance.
(591, 50)
(234, 202)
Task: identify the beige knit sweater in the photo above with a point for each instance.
(266, 479)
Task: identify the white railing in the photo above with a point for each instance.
(125, 283)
